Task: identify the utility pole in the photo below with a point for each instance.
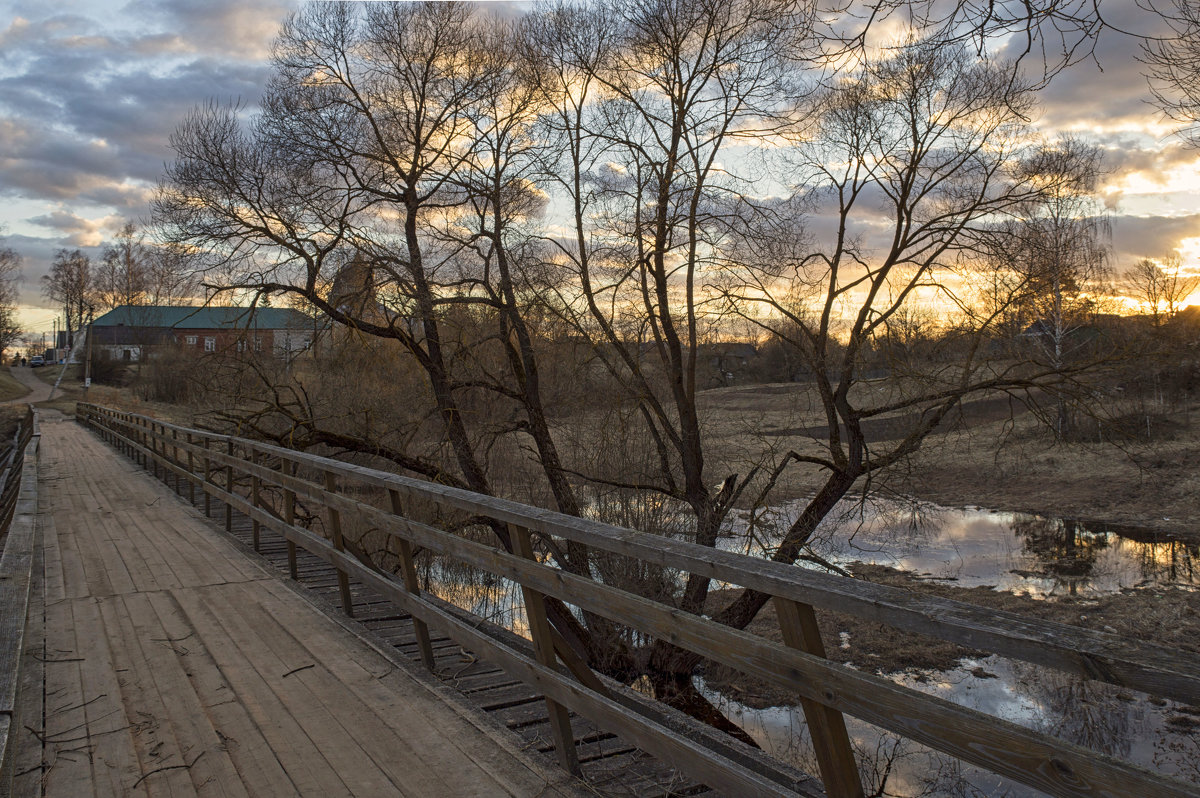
(87, 363)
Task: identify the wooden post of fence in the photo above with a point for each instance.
(335, 524)
(289, 514)
(191, 472)
(152, 440)
(409, 567)
(175, 456)
(835, 758)
(543, 648)
(207, 482)
(229, 487)
(255, 489)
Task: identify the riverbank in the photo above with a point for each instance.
(995, 454)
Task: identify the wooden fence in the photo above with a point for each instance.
(18, 536)
(266, 482)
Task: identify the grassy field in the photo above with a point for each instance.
(9, 387)
(994, 456)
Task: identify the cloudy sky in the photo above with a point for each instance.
(90, 91)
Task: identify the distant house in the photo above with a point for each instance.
(130, 332)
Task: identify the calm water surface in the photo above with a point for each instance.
(1036, 555)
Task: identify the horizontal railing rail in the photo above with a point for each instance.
(240, 473)
(18, 538)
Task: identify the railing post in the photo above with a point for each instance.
(207, 482)
(152, 440)
(289, 515)
(826, 725)
(175, 456)
(191, 472)
(255, 486)
(543, 648)
(409, 568)
(335, 523)
(229, 487)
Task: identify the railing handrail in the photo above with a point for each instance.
(1159, 670)
(1042, 761)
(18, 491)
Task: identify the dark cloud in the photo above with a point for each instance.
(90, 93)
(225, 27)
(1136, 237)
(91, 90)
(86, 116)
(36, 256)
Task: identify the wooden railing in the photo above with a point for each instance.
(241, 473)
(18, 537)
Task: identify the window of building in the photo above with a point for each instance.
(190, 340)
(257, 344)
(210, 344)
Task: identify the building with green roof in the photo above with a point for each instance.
(129, 332)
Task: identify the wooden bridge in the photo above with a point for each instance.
(143, 650)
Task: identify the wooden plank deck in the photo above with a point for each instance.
(174, 664)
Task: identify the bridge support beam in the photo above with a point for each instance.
(835, 758)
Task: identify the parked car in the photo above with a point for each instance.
(37, 360)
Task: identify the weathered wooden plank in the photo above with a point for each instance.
(253, 709)
(27, 768)
(156, 742)
(239, 736)
(16, 580)
(663, 742)
(420, 761)
(164, 644)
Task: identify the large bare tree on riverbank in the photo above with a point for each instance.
(413, 183)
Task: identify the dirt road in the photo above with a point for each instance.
(38, 390)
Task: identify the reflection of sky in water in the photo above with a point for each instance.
(1086, 713)
(973, 547)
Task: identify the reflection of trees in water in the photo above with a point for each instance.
(1066, 550)
(1167, 561)
(1087, 713)
(889, 766)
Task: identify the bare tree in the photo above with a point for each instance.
(10, 275)
(1161, 289)
(454, 209)
(69, 283)
(1174, 67)
(121, 276)
(930, 141)
(1060, 255)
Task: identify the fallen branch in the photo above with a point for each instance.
(167, 767)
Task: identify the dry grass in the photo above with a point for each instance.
(9, 387)
(993, 456)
